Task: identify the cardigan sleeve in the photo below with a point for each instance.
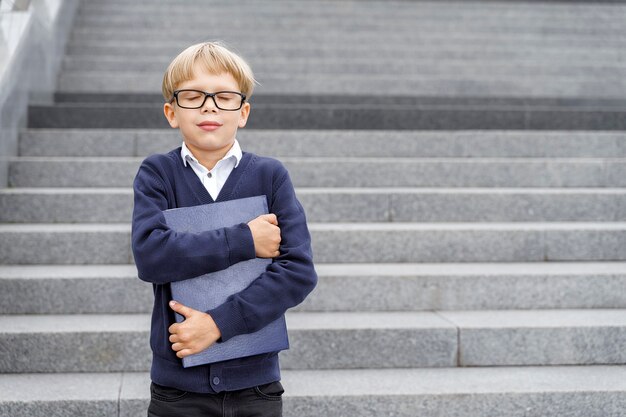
(163, 255)
(287, 280)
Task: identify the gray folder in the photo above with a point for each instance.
(211, 290)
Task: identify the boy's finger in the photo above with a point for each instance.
(181, 309)
(183, 353)
(272, 218)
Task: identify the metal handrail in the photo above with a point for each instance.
(15, 5)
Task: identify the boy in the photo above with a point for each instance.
(206, 89)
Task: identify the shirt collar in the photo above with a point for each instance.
(233, 152)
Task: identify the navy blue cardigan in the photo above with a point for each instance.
(163, 256)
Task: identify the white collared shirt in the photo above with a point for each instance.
(214, 179)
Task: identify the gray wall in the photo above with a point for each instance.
(32, 42)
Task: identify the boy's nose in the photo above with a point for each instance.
(209, 105)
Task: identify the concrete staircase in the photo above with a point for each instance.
(462, 272)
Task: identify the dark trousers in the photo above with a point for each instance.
(261, 401)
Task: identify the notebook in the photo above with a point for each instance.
(211, 290)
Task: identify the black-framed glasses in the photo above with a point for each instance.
(195, 99)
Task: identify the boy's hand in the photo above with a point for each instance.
(193, 335)
(266, 235)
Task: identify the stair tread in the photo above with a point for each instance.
(350, 190)
(397, 226)
(336, 383)
(347, 159)
(364, 269)
(298, 321)
(64, 323)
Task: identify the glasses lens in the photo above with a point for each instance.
(228, 100)
(190, 98)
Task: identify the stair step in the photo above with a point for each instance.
(347, 242)
(467, 286)
(114, 205)
(65, 244)
(294, 9)
(333, 143)
(349, 172)
(111, 343)
(400, 66)
(121, 342)
(418, 36)
(492, 48)
(66, 205)
(75, 289)
(488, 338)
(234, 32)
(376, 20)
(466, 242)
(589, 391)
(492, 114)
(502, 9)
(417, 85)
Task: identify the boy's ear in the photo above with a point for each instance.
(245, 112)
(170, 115)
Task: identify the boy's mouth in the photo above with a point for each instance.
(209, 126)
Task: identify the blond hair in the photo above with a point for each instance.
(215, 59)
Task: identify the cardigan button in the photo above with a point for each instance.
(216, 381)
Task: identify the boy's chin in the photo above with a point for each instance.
(208, 146)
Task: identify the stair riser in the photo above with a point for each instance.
(432, 48)
(558, 346)
(471, 86)
(87, 116)
(75, 296)
(426, 12)
(496, 25)
(488, 292)
(129, 351)
(417, 38)
(75, 352)
(127, 395)
(503, 10)
(66, 208)
(467, 246)
(310, 143)
(73, 408)
(343, 207)
(453, 68)
(578, 404)
(336, 293)
(341, 245)
(309, 349)
(65, 248)
(347, 173)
